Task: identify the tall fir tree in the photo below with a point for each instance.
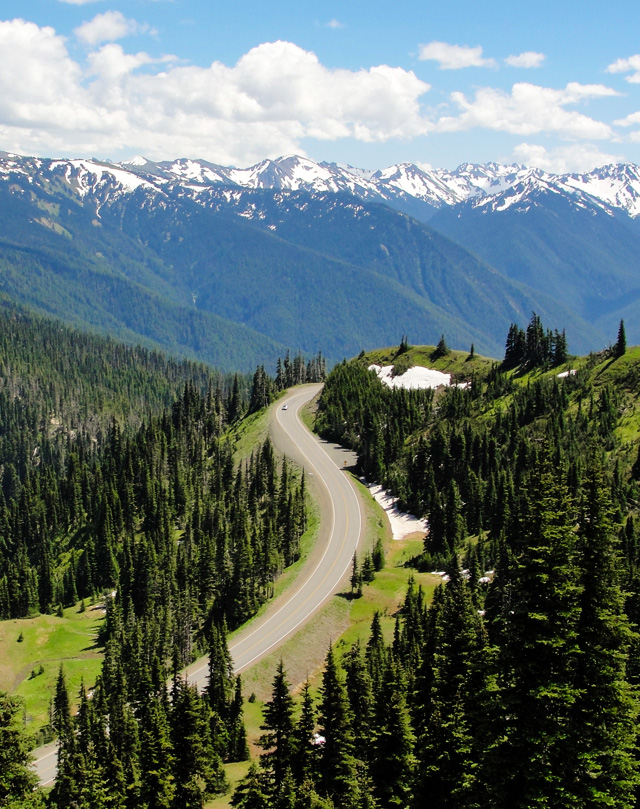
(278, 739)
(604, 715)
(531, 753)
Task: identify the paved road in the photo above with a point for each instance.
(328, 565)
(325, 570)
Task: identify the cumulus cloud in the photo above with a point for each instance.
(565, 159)
(529, 109)
(631, 120)
(276, 95)
(108, 27)
(454, 57)
(629, 65)
(527, 59)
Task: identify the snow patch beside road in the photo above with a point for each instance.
(401, 524)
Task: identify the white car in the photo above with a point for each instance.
(285, 407)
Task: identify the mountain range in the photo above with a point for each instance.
(235, 266)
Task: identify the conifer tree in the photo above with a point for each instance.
(337, 761)
(448, 758)
(620, 347)
(251, 792)
(605, 769)
(67, 789)
(278, 739)
(198, 769)
(360, 693)
(157, 788)
(392, 760)
(528, 761)
(306, 750)
(17, 781)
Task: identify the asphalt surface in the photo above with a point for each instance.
(323, 574)
(330, 563)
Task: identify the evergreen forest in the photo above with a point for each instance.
(119, 483)
(513, 685)
(516, 684)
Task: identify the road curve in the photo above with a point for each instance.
(327, 567)
(322, 574)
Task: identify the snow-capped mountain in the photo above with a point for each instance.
(144, 244)
(418, 191)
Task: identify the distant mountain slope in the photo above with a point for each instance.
(236, 265)
(235, 276)
(59, 261)
(404, 250)
(572, 248)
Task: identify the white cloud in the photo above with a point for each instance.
(276, 95)
(632, 64)
(78, 2)
(529, 109)
(108, 27)
(454, 57)
(565, 159)
(335, 24)
(630, 120)
(526, 59)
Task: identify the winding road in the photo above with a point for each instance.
(323, 573)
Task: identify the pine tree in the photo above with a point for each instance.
(157, 787)
(528, 761)
(278, 740)
(441, 350)
(337, 762)
(17, 780)
(306, 750)
(620, 347)
(198, 769)
(238, 749)
(605, 768)
(447, 703)
(251, 792)
(356, 577)
(392, 760)
(67, 789)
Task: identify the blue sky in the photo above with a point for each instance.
(552, 84)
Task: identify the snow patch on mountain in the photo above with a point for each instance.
(614, 188)
(413, 378)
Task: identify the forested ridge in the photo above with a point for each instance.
(516, 686)
(119, 483)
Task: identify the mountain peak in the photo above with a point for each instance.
(405, 186)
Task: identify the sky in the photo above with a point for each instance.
(553, 84)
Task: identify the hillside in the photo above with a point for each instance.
(235, 275)
(130, 540)
(528, 477)
(573, 252)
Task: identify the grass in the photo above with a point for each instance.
(457, 363)
(48, 642)
(308, 413)
(249, 434)
(234, 772)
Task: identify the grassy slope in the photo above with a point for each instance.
(49, 641)
(456, 363)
